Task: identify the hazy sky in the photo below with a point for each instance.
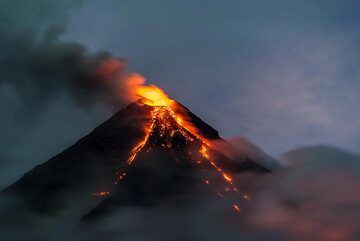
(280, 73)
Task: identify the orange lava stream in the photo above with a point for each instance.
(167, 123)
(164, 115)
(162, 118)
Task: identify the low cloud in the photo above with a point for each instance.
(314, 198)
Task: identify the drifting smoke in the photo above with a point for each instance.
(37, 66)
(46, 82)
(55, 67)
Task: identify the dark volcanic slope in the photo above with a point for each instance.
(64, 184)
(87, 166)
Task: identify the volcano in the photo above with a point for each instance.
(152, 150)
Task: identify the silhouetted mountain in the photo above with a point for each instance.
(63, 185)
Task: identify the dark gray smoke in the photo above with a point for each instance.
(46, 82)
(38, 67)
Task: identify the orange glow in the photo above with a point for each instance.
(203, 151)
(100, 194)
(227, 177)
(237, 208)
(120, 177)
(109, 68)
(166, 121)
(153, 95)
(246, 197)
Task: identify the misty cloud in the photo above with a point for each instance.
(314, 198)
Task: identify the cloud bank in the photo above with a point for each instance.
(314, 198)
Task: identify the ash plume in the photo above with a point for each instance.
(37, 66)
(44, 80)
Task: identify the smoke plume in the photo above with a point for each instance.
(38, 67)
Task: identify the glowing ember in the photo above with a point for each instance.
(100, 194)
(236, 207)
(245, 196)
(120, 177)
(227, 177)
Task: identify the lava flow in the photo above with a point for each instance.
(166, 123)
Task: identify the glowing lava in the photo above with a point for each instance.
(162, 118)
(166, 123)
(163, 126)
(153, 96)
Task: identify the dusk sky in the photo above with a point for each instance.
(282, 74)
